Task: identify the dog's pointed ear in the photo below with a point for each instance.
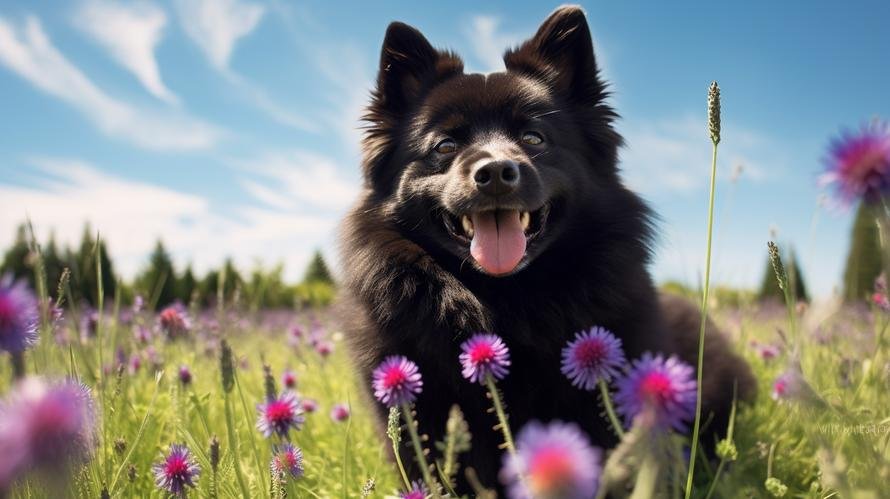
(561, 54)
(408, 63)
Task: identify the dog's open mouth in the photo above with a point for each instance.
(497, 238)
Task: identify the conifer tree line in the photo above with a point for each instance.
(160, 282)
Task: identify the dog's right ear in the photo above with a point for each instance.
(408, 64)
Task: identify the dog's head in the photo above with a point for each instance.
(492, 169)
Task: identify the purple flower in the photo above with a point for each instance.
(89, 324)
(51, 424)
(287, 460)
(18, 315)
(592, 356)
(859, 164)
(766, 351)
(552, 461)
(666, 387)
(324, 348)
(176, 471)
(483, 355)
(174, 321)
(340, 413)
(396, 381)
(279, 415)
(418, 491)
(289, 379)
(792, 386)
(135, 363)
(309, 405)
(185, 375)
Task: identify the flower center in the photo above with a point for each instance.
(7, 313)
(278, 411)
(176, 467)
(656, 387)
(549, 471)
(482, 353)
(590, 353)
(394, 378)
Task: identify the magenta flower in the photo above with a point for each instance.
(309, 405)
(397, 381)
(52, 424)
(418, 491)
(792, 386)
(766, 351)
(279, 415)
(592, 356)
(176, 471)
(18, 315)
(174, 321)
(185, 375)
(667, 387)
(324, 348)
(287, 460)
(859, 164)
(339, 413)
(483, 355)
(552, 461)
(289, 379)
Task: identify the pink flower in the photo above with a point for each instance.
(859, 164)
(397, 381)
(340, 413)
(484, 355)
(280, 415)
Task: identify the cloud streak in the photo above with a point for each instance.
(131, 215)
(28, 51)
(130, 33)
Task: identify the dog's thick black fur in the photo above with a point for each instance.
(543, 132)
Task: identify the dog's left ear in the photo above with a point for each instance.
(561, 54)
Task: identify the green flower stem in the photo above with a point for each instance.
(610, 411)
(704, 317)
(502, 415)
(233, 446)
(418, 450)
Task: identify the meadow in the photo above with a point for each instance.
(233, 400)
(831, 441)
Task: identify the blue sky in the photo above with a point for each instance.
(229, 127)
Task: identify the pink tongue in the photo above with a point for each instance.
(498, 241)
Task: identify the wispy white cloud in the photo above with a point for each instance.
(28, 51)
(297, 180)
(488, 43)
(131, 215)
(217, 25)
(130, 33)
(674, 156)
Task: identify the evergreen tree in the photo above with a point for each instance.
(16, 258)
(54, 265)
(317, 270)
(210, 284)
(864, 258)
(83, 269)
(186, 286)
(158, 280)
(769, 287)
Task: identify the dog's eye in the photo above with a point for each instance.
(446, 146)
(532, 138)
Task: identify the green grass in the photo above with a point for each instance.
(841, 435)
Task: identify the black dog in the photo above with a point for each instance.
(493, 203)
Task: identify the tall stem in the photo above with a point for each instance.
(704, 317)
(610, 411)
(502, 415)
(418, 450)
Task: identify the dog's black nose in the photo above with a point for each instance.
(497, 178)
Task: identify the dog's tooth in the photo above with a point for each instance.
(468, 225)
(525, 219)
